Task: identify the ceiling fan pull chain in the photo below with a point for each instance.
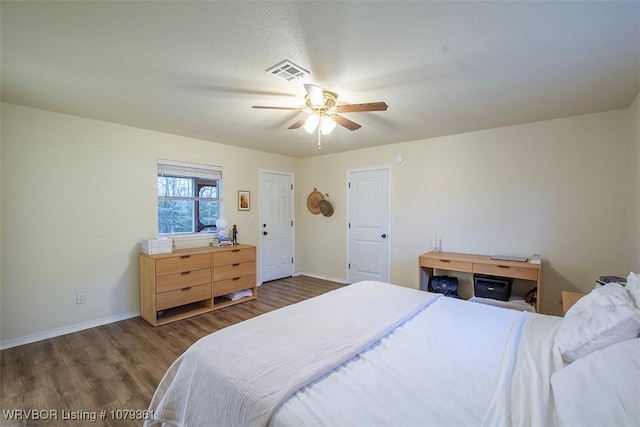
(319, 140)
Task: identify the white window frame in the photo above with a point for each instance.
(197, 171)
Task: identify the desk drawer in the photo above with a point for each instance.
(183, 296)
(224, 287)
(182, 263)
(183, 279)
(234, 256)
(506, 271)
(446, 264)
(234, 270)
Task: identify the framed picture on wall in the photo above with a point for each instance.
(244, 200)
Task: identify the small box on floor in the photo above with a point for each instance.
(492, 287)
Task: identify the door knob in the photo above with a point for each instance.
(264, 233)
(384, 236)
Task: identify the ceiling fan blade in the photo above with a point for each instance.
(264, 107)
(315, 94)
(343, 121)
(369, 106)
(298, 124)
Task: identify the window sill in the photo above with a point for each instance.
(190, 236)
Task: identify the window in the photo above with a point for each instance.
(189, 197)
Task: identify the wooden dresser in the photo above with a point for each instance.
(189, 282)
(481, 264)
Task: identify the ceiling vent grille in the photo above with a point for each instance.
(288, 71)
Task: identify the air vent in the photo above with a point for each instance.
(287, 70)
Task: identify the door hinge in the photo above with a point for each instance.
(349, 184)
(291, 260)
(349, 266)
(349, 225)
(291, 186)
(292, 223)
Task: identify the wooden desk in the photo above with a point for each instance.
(481, 264)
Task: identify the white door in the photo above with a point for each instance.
(368, 225)
(276, 226)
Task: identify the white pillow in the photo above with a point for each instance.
(603, 317)
(601, 389)
(633, 287)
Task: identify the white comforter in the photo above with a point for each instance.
(240, 375)
(368, 354)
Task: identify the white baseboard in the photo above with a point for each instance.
(66, 330)
(318, 276)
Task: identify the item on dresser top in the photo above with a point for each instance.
(495, 287)
(225, 242)
(448, 286)
(157, 246)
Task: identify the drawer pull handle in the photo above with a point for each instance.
(236, 250)
(185, 256)
(235, 265)
(445, 260)
(184, 273)
(503, 266)
(235, 278)
(185, 289)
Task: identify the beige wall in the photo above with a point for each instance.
(78, 196)
(557, 188)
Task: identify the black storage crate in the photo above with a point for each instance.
(492, 287)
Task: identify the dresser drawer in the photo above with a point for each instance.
(234, 256)
(506, 271)
(183, 279)
(231, 271)
(182, 263)
(446, 264)
(231, 285)
(183, 296)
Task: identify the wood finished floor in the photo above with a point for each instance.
(118, 366)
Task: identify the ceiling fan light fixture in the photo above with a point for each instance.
(327, 125)
(311, 123)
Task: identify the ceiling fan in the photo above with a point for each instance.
(323, 110)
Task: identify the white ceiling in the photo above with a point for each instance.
(196, 68)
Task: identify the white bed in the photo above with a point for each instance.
(376, 354)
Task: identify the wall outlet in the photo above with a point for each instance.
(81, 298)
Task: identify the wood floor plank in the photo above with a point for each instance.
(118, 366)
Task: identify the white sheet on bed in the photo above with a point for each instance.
(241, 374)
(452, 364)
